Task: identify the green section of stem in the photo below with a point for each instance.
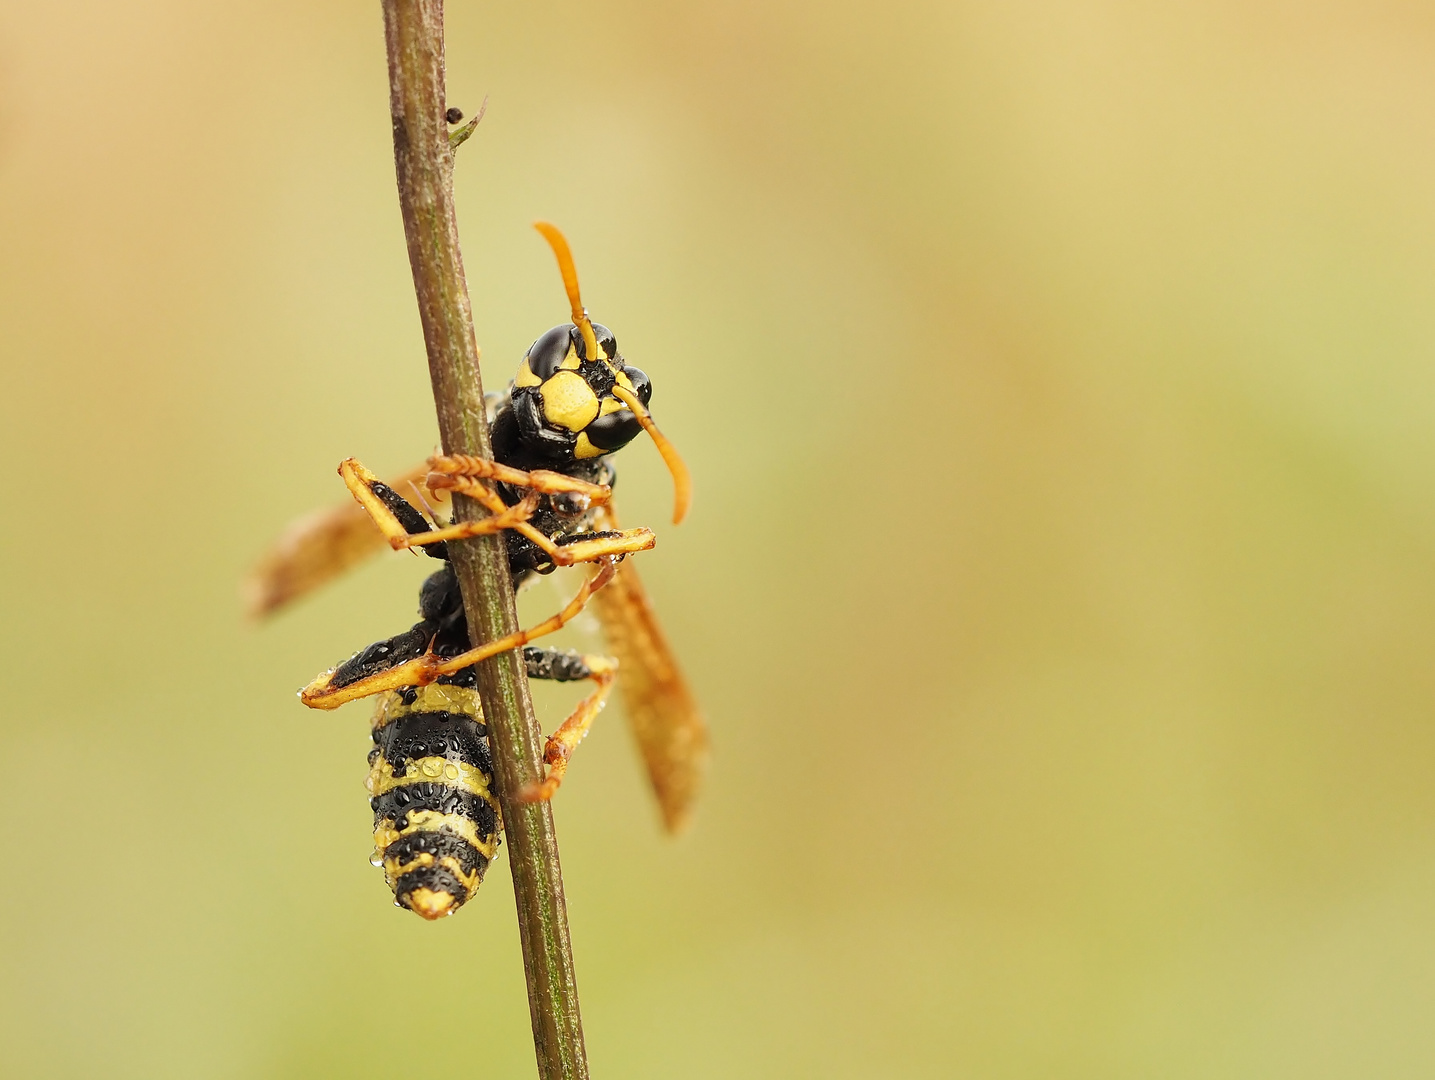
(413, 31)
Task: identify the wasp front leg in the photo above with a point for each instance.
(542, 553)
(457, 472)
(404, 527)
(466, 475)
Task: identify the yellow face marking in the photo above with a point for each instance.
(427, 770)
(432, 821)
(610, 405)
(583, 448)
(570, 361)
(525, 375)
(436, 697)
(568, 401)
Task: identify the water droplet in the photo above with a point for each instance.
(433, 768)
(376, 858)
(450, 771)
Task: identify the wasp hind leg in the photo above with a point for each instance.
(567, 667)
(323, 693)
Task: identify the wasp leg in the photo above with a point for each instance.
(403, 526)
(607, 527)
(456, 471)
(387, 654)
(559, 553)
(589, 547)
(580, 549)
(565, 739)
(322, 693)
(511, 517)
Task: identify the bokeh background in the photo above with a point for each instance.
(1060, 587)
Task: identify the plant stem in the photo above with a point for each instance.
(413, 32)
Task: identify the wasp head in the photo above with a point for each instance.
(565, 400)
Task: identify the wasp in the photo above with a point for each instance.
(574, 403)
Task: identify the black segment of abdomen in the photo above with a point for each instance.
(455, 736)
(439, 844)
(434, 878)
(396, 805)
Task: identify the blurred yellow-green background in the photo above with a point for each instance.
(1058, 383)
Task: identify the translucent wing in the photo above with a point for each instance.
(671, 733)
(321, 546)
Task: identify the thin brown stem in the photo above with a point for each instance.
(413, 31)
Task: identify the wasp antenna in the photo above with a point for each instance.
(682, 479)
(559, 243)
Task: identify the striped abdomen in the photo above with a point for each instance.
(435, 816)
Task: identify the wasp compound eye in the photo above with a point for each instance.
(613, 431)
(642, 385)
(547, 353)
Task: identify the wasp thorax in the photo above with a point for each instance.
(567, 398)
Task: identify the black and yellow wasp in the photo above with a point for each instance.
(574, 402)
